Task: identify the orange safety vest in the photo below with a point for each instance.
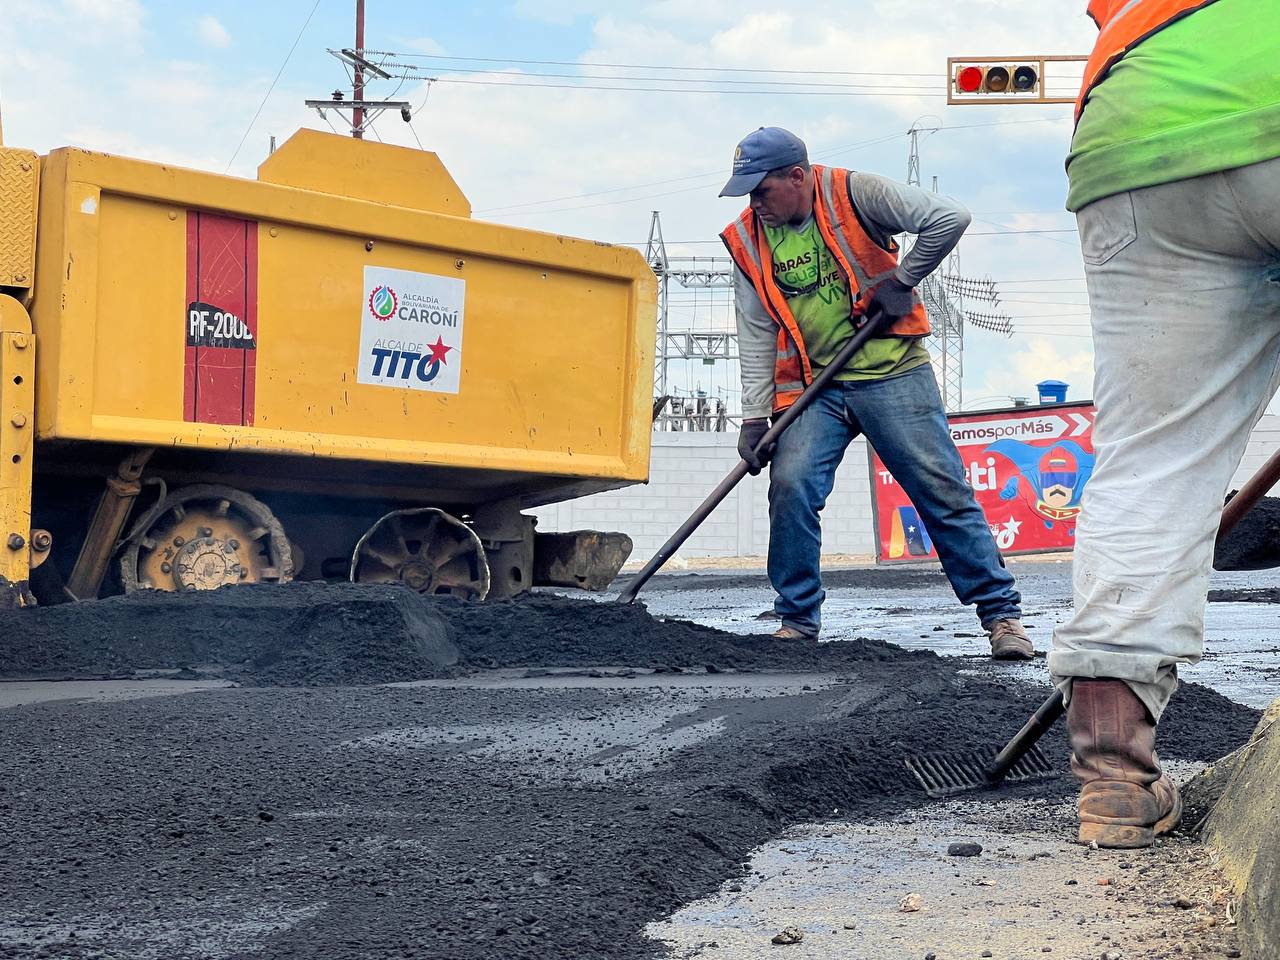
(1122, 25)
(864, 263)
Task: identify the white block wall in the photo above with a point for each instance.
(1264, 442)
(685, 467)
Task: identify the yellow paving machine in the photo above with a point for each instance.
(331, 371)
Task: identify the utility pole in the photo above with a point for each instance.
(357, 88)
(363, 112)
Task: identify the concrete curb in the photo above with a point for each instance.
(1244, 829)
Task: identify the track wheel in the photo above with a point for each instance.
(425, 549)
(207, 536)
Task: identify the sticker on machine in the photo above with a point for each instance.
(411, 330)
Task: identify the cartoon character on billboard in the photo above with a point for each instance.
(1050, 479)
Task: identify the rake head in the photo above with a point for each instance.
(946, 774)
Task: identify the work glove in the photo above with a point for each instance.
(749, 436)
(893, 297)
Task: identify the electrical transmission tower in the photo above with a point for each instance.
(945, 342)
(715, 276)
(656, 255)
(944, 295)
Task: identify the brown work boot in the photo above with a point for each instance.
(1009, 641)
(1125, 801)
(789, 633)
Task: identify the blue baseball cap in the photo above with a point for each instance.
(759, 152)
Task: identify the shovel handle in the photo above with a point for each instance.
(1249, 495)
(780, 423)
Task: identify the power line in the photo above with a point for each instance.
(511, 212)
(1046, 280)
(1020, 213)
(882, 92)
(833, 151)
(930, 88)
(1047, 303)
(1044, 234)
(1065, 320)
(642, 66)
(1003, 233)
(719, 175)
(258, 112)
(1068, 336)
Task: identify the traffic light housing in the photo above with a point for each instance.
(1001, 79)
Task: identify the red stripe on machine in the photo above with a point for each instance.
(221, 319)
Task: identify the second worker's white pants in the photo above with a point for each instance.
(1184, 291)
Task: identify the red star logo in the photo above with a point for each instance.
(438, 350)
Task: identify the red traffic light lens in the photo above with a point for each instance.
(1024, 79)
(969, 80)
(997, 80)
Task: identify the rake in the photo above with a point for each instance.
(945, 774)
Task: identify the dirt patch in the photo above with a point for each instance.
(1012, 899)
(1254, 544)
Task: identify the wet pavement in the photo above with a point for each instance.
(919, 611)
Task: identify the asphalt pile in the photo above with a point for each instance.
(175, 825)
(184, 827)
(287, 635)
(1254, 544)
(315, 634)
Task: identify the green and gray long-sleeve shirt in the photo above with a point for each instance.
(818, 293)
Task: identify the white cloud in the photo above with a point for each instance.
(425, 45)
(123, 16)
(212, 32)
(1041, 357)
(560, 12)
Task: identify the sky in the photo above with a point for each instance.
(516, 114)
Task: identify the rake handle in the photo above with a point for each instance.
(1039, 723)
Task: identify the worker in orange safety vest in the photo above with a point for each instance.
(815, 254)
(1174, 177)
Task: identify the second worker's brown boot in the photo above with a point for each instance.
(1125, 799)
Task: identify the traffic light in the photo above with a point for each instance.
(998, 78)
(1002, 80)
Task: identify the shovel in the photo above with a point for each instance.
(944, 774)
(780, 423)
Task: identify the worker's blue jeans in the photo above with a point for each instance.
(903, 419)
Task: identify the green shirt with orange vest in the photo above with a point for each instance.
(1200, 95)
(818, 294)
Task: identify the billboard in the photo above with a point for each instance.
(1028, 467)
